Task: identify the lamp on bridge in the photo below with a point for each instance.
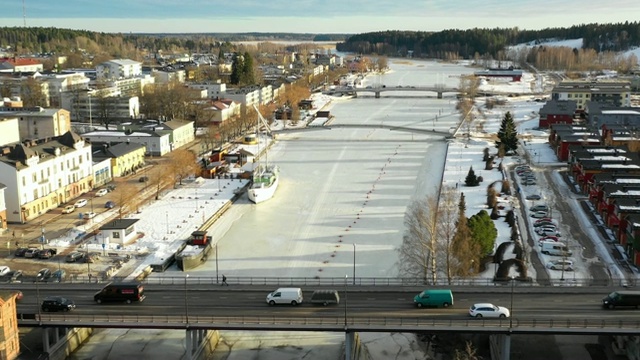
(345, 301)
(513, 281)
(186, 302)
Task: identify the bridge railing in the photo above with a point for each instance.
(166, 279)
(334, 323)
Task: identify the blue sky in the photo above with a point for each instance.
(311, 16)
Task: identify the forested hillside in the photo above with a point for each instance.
(471, 43)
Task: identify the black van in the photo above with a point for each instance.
(621, 298)
(127, 293)
(325, 297)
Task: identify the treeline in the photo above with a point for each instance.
(50, 40)
(468, 43)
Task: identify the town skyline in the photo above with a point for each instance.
(331, 16)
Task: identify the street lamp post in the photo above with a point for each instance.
(90, 119)
(186, 302)
(216, 263)
(38, 299)
(345, 301)
(513, 280)
(354, 264)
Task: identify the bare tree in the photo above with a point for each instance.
(32, 94)
(446, 230)
(182, 163)
(418, 252)
(127, 198)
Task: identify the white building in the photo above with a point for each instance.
(38, 122)
(9, 130)
(164, 77)
(43, 175)
(157, 143)
(118, 69)
(61, 85)
(92, 106)
(102, 173)
(214, 89)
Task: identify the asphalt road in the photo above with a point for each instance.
(360, 304)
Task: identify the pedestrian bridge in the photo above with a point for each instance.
(410, 129)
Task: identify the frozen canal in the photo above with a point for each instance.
(338, 188)
(344, 186)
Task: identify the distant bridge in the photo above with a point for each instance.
(367, 126)
(439, 89)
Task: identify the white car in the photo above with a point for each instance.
(102, 192)
(88, 215)
(539, 214)
(560, 264)
(488, 310)
(4, 270)
(68, 209)
(548, 231)
(80, 203)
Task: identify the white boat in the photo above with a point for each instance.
(265, 176)
(265, 183)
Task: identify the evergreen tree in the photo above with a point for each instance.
(508, 134)
(471, 179)
(248, 75)
(465, 250)
(483, 231)
(236, 70)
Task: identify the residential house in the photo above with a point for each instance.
(630, 231)
(557, 112)
(600, 114)
(167, 76)
(44, 174)
(564, 136)
(157, 143)
(102, 173)
(20, 65)
(180, 132)
(214, 90)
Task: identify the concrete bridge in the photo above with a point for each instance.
(439, 89)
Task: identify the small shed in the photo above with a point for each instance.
(119, 231)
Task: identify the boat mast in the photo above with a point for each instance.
(266, 126)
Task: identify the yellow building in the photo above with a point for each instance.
(614, 92)
(9, 334)
(125, 157)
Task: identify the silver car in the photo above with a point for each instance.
(488, 310)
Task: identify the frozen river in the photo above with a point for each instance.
(344, 186)
(338, 188)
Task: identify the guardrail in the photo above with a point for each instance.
(335, 323)
(569, 281)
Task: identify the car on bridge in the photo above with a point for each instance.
(488, 310)
(57, 303)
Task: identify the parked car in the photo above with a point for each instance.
(109, 204)
(560, 264)
(88, 215)
(43, 275)
(58, 275)
(68, 209)
(15, 276)
(74, 256)
(47, 253)
(488, 310)
(31, 253)
(80, 203)
(544, 222)
(529, 182)
(4, 270)
(533, 197)
(540, 207)
(110, 188)
(539, 214)
(550, 238)
(144, 179)
(20, 252)
(547, 231)
(57, 303)
(102, 192)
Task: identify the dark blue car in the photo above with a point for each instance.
(110, 205)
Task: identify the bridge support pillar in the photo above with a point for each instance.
(200, 344)
(377, 94)
(440, 95)
(500, 345)
(348, 345)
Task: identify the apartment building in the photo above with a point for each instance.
(38, 122)
(44, 174)
(616, 93)
(118, 69)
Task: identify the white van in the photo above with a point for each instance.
(291, 296)
(554, 248)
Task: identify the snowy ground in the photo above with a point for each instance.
(345, 191)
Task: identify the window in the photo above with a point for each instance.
(115, 235)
